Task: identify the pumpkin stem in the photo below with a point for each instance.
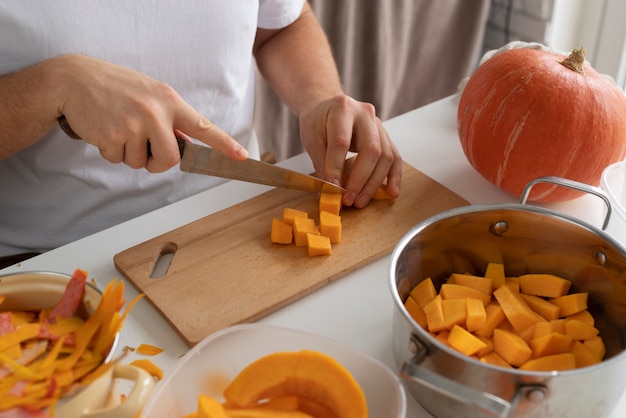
(575, 61)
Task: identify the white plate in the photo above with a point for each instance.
(225, 353)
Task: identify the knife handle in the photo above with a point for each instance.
(181, 147)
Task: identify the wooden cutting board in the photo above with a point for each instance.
(225, 270)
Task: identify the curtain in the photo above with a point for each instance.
(395, 54)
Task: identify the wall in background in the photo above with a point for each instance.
(596, 25)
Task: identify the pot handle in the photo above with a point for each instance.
(489, 403)
(572, 184)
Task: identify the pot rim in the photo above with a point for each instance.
(424, 336)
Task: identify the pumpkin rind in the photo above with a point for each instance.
(523, 115)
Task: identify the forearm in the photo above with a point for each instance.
(29, 105)
(298, 64)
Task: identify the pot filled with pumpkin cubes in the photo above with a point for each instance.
(510, 310)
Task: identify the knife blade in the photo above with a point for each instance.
(201, 159)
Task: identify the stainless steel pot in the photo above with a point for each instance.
(525, 239)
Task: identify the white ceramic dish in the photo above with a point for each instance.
(222, 355)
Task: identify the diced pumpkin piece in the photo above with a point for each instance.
(488, 346)
(416, 312)
(546, 285)
(511, 347)
(457, 291)
(434, 314)
(289, 214)
(318, 245)
(596, 345)
(424, 292)
(302, 227)
(541, 329)
(515, 308)
(303, 373)
(494, 315)
(583, 355)
(330, 202)
(572, 303)
(476, 317)
(209, 407)
(330, 226)
(381, 193)
(494, 359)
(443, 337)
(454, 312)
(563, 361)
(463, 341)
(580, 330)
(281, 232)
(547, 310)
(495, 272)
(553, 343)
(584, 316)
(513, 283)
(475, 282)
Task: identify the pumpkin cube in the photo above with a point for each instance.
(511, 347)
(546, 285)
(330, 202)
(282, 232)
(330, 226)
(580, 330)
(583, 355)
(584, 316)
(494, 359)
(318, 245)
(416, 312)
(476, 315)
(457, 291)
(495, 272)
(547, 310)
(475, 282)
(454, 312)
(596, 345)
(424, 292)
(563, 361)
(572, 303)
(463, 341)
(494, 315)
(301, 227)
(434, 314)
(381, 193)
(549, 344)
(515, 308)
(289, 214)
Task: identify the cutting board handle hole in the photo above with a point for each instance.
(163, 261)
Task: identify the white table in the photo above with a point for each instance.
(426, 138)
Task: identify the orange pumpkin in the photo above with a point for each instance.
(527, 113)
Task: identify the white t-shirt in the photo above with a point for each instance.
(59, 189)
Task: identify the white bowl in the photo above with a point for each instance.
(222, 355)
(612, 182)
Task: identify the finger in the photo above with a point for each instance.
(136, 154)
(164, 152)
(188, 120)
(339, 132)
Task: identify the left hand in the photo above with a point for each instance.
(336, 126)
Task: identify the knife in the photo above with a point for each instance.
(205, 160)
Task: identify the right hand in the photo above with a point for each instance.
(120, 110)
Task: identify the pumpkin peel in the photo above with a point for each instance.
(303, 373)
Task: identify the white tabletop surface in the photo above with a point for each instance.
(427, 139)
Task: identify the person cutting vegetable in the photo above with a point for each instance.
(125, 74)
